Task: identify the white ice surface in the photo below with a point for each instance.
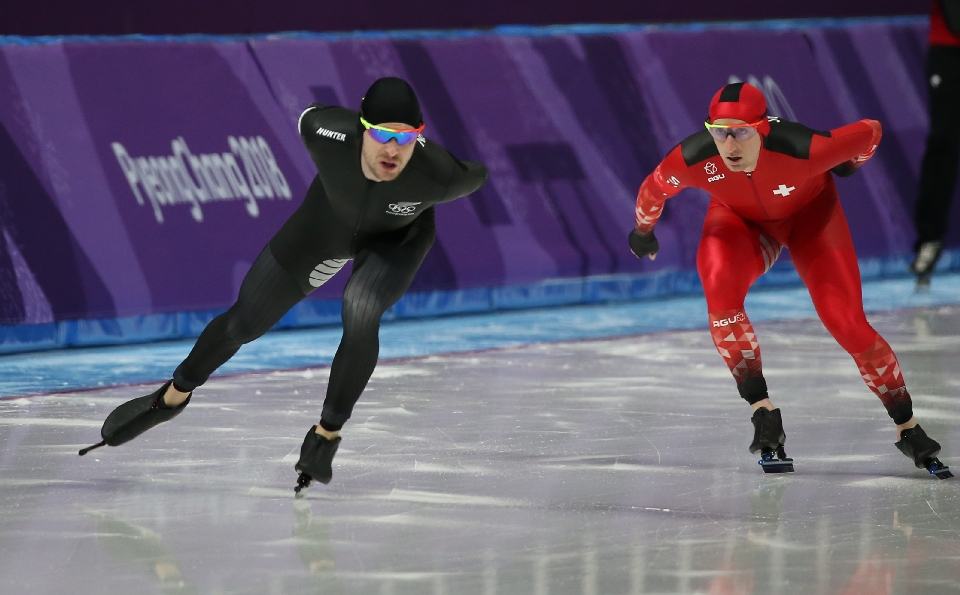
(607, 466)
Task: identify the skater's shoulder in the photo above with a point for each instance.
(435, 169)
(790, 138)
(330, 122)
(432, 160)
(698, 147)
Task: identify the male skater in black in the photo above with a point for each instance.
(372, 201)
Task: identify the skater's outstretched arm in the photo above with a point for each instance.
(669, 178)
(846, 149)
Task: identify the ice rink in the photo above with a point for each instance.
(531, 453)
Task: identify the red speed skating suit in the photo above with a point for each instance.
(789, 200)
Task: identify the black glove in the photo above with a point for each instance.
(643, 244)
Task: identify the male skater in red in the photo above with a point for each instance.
(770, 188)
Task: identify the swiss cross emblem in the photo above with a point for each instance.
(710, 168)
(784, 190)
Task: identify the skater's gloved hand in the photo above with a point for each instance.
(874, 142)
(644, 244)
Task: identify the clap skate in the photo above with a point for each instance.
(768, 439)
(135, 417)
(316, 459)
(923, 450)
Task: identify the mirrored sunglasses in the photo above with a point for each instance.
(383, 134)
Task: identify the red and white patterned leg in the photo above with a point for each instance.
(737, 343)
(881, 371)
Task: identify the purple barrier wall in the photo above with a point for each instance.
(140, 179)
(168, 17)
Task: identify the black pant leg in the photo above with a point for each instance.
(382, 272)
(266, 294)
(941, 159)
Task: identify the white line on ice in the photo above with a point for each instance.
(441, 498)
(39, 421)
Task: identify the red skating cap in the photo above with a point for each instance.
(739, 101)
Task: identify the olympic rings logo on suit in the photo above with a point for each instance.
(403, 209)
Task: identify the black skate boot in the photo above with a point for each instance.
(928, 253)
(923, 450)
(768, 439)
(316, 459)
(135, 417)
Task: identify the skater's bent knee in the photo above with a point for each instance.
(853, 335)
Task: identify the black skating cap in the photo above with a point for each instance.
(391, 99)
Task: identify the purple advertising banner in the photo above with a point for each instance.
(139, 179)
(202, 167)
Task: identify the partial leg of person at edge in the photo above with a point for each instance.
(771, 187)
(372, 201)
(941, 156)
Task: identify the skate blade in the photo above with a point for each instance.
(776, 465)
(84, 451)
(940, 470)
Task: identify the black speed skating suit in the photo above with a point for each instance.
(387, 228)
